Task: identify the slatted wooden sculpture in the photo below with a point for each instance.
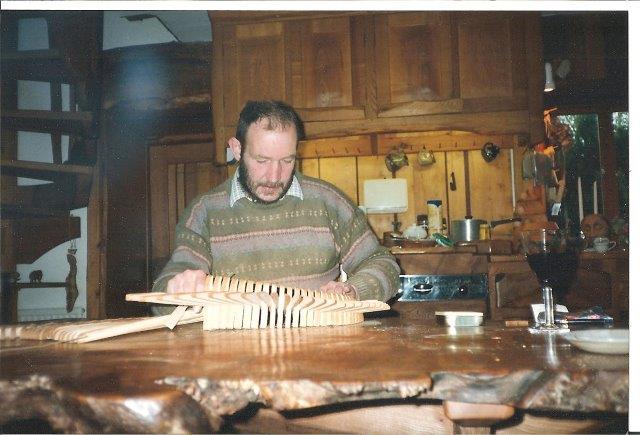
(232, 303)
(228, 303)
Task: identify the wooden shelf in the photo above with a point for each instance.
(20, 286)
(46, 121)
(19, 211)
(38, 65)
(42, 171)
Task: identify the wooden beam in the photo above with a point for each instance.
(42, 171)
(46, 121)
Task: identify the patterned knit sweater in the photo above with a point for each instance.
(294, 242)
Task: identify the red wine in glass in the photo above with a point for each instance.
(554, 258)
(556, 269)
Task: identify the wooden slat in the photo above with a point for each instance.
(42, 171)
(46, 121)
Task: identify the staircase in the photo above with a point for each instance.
(36, 218)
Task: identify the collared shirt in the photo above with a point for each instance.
(237, 192)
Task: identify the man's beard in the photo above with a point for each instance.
(250, 186)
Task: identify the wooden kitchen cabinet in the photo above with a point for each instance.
(414, 63)
(314, 63)
(602, 280)
(366, 82)
(351, 73)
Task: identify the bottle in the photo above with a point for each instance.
(434, 213)
(443, 230)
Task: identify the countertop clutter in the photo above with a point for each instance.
(602, 280)
(190, 380)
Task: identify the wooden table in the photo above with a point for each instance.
(189, 380)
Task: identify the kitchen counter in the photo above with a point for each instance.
(190, 380)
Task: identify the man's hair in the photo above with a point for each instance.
(277, 113)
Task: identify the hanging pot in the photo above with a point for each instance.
(466, 230)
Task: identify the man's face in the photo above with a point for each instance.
(593, 226)
(268, 162)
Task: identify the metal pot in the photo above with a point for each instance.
(467, 229)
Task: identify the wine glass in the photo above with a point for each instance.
(554, 258)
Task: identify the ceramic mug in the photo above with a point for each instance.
(602, 244)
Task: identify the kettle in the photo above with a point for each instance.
(490, 151)
(426, 157)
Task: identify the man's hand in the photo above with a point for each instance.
(340, 288)
(189, 281)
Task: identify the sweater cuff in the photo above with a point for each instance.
(365, 286)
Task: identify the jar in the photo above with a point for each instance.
(484, 232)
(434, 213)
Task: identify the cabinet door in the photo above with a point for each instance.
(254, 65)
(177, 173)
(320, 52)
(491, 59)
(413, 61)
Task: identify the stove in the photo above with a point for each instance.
(417, 288)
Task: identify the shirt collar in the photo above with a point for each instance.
(237, 192)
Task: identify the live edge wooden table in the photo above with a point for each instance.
(382, 376)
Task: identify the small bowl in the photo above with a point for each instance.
(459, 318)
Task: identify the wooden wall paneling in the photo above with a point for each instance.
(181, 200)
(360, 145)
(371, 168)
(490, 184)
(484, 50)
(342, 172)
(430, 182)
(172, 203)
(309, 167)
(178, 173)
(456, 198)
(408, 172)
(447, 140)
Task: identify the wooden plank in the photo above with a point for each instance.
(344, 146)
(490, 194)
(450, 140)
(511, 122)
(341, 172)
(96, 262)
(42, 171)
(430, 182)
(414, 108)
(46, 121)
(172, 204)
(310, 167)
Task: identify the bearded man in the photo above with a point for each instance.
(270, 223)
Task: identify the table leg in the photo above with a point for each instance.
(475, 418)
